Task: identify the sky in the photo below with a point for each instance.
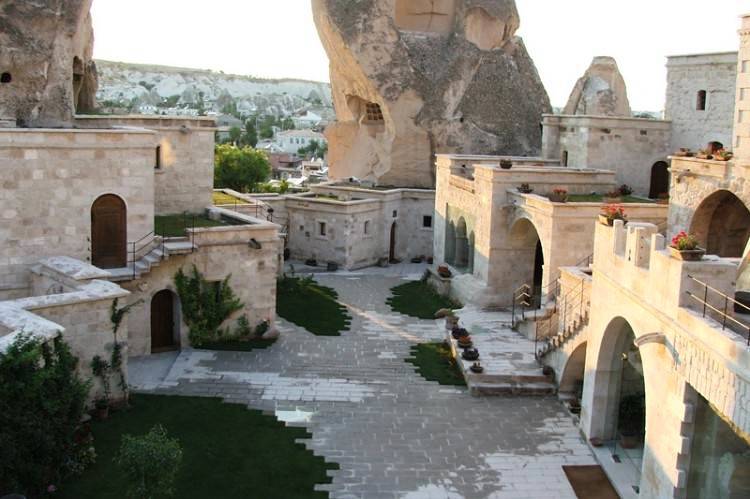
(277, 38)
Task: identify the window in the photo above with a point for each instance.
(5, 78)
(322, 229)
(565, 158)
(157, 165)
(427, 221)
(701, 104)
(373, 113)
(644, 132)
(395, 213)
(367, 227)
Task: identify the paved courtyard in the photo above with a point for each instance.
(393, 433)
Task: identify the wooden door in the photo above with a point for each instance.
(392, 254)
(162, 322)
(109, 233)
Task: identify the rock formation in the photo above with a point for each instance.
(411, 78)
(601, 91)
(46, 66)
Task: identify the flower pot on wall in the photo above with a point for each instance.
(558, 198)
(688, 255)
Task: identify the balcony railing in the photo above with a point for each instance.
(721, 311)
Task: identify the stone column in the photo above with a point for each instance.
(742, 104)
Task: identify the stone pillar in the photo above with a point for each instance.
(742, 105)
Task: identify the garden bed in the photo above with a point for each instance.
(435, 362)
(177, 225)
(419, 299)
(228, 452)
(304, 302)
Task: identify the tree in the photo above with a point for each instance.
(251, 135)
(235, 134)
(287, 124)
(239, 168)
(313, 150)
(150, 463)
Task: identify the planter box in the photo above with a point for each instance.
(688, 255)
(558, 198)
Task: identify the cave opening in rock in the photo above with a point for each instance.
(5, 78)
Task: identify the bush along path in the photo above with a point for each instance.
(307, 304)
(419, 299)
(434, 362)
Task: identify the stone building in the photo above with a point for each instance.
(413, 78)
(649, 329)
(700, 99)
(597, 130)
(79, 202)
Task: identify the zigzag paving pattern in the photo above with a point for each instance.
(393, 433)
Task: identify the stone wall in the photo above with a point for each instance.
(184, 177)
(637, 282)
(627, 146)
(686, 76)
(51, 178)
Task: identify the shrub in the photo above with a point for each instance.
(626, 190)
(205, 305)
(150, 463)
(41, 404)
(685, 242)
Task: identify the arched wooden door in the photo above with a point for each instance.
(392, 253)
(659, 180)
(109, 232)
(163, 322)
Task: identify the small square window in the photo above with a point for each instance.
(427, 221)
(367, 227)
(301, 227)
(395, 213)
(158, 158)
(322, 229)
(644, 132)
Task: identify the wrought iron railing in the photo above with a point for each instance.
(144, 243)
(522, 300)
(721, 310)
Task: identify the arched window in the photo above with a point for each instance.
(701, 101)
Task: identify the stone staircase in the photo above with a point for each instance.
(569, 331)
(152, 257)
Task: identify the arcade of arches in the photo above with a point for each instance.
(459, 245)
(722, 225)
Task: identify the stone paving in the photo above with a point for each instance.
(393, 433)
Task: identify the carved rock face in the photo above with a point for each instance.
(45, 61)
(412, 78)
(601, 91)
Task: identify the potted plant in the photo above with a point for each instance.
(704, 154)
(632, 420)
(444, 272)
(477, 368)
(612, 212)
(685, 247)
(459, 332)
(470, 354)
(625, 190)
(614, 196)
(525, 189)
(506, 164)
(559, 195)
(684, 152)
(723, 155)
(465, 342)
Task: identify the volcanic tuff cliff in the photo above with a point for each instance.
(415, 77)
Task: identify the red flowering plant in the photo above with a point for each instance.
(560, 191)
(614, 212)
(685, 242)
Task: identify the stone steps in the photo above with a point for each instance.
(142, 266)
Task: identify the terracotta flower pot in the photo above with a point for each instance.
(688, 255)
(558, 198)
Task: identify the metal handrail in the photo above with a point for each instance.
(723, 313)
(135, 249)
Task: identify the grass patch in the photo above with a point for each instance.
(598, 198)
(238, 345)
(307, 304)
(176, 225)
(435, 363)
(419, 299)
(228, 452)
(221, 198)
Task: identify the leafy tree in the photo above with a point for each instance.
(150, 463)
(287, 124)
(235, 134)
(250, 137)
(239, 168)
(42, 401)
(313, 149)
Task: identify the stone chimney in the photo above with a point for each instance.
(742, 104)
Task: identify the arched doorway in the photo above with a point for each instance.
(722, 224)
(571, 381)
(164, 314)
(450, 243)
(659, 180)
(462, 244)
(471, 252)
(392, 252)
(109, 232)
(620, 388)
(528, 256)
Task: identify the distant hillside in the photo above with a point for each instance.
(141, 87)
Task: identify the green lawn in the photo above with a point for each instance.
(598, 198)
(228, 452)
(222, 198)
(419, 299)
(435, 363)
(238, 345)
(175, 225)
(307, 304)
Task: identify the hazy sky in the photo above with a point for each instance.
(277, 38)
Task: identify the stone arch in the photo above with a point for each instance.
(618, 377)
(450, 243)
(528, 254)
(472, 242)
(722, 224)
(571, 379)
(659, 180)
(462, 244)
(165, 318)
